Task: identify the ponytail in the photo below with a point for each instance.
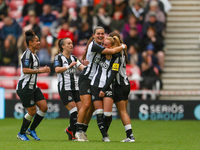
(86, 49)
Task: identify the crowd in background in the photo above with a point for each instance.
(141, 23)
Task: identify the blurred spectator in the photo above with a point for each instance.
(63, 15)
(33, 25)
(121, 5)
(44, 53)
(104, 3)
(65, 32)
(149, 77)
(134, 57)
(102, 19)
(88, 3)
(117, 22)
(32, 5)
(3, 9)
(54, 50)
(27, 18)
(10, 27)
(137, 10)
(151, 58)
(55, 4)
(160, 16)
(84, 16)
(47, 34)
(160, 5)
(84, 34)
(142, 3)
(9, 51)
(157, 43)
(47, 18)
(132, 23)
(133, 39)
(74, 20)
(153, 22)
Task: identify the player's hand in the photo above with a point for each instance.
(85, 62)
(72, 64)
(45, 69)
(101, 94)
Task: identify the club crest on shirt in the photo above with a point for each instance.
(69, 98)
(93, 97)
(32, 102)
(88, 91)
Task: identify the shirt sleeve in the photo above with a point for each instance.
(27, 60)
(78, 63)
(97, 48)
(57, 61)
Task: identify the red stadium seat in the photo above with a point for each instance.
(134, 85)
(18, 72)
(46, 95)
(128, 70)
(8, 84)
(70, 3)
(7, 71)
(79, 51)
(43, 84)
(8, 96)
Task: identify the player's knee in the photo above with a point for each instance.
(32, 112)
(44, 108)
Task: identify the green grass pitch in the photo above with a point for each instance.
(150, 135)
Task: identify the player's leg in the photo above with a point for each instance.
(42, 104)
(107, 108)
(98, 104)
(73, 119)
(86, 102)
(26, 122)
(121, 106)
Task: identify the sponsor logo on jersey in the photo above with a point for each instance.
(56, 63)
(115, 67)
(65, 62)
(96, 60)
(26, 62)
(103, 65)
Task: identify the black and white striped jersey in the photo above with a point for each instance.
(121, 77)
(104, 69)
(67, 80)
(118, 73)
(28, 60)
(94, 57)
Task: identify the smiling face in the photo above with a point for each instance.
(99, 35)
(107, 43)
(35, 43)
(68, 45)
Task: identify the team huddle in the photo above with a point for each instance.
(102, 82)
